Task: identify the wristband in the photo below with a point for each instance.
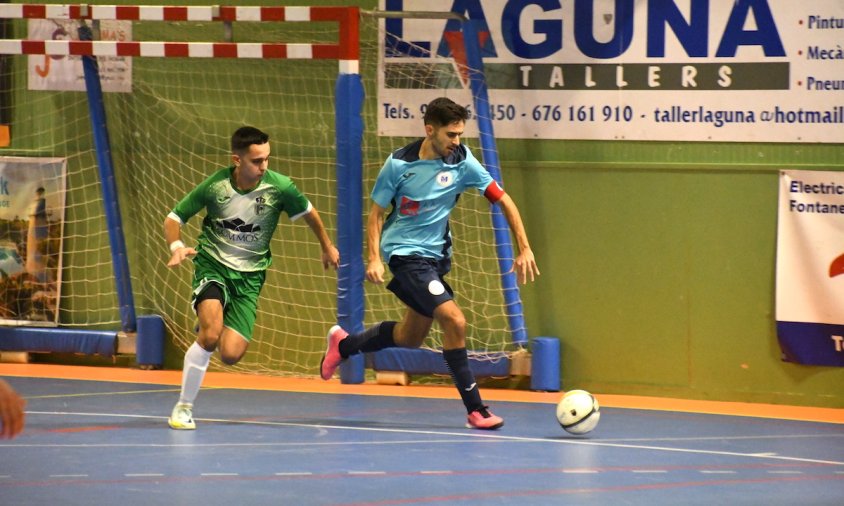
(176, 245)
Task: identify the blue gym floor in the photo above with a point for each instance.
(101, 442)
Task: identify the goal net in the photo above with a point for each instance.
(169, 128)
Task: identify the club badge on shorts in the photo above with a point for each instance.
(435, 287)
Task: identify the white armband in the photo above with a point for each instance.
(176, 245)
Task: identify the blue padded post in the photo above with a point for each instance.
(545, 364)
(350, 277)
(149, 345)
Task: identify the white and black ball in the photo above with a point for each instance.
(578, 412)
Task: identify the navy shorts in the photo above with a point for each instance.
(418, 282)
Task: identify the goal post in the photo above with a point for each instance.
(111, 206)
(347, 106)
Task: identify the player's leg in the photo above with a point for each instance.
(412, 330)
(239, 319)
(411, 278)
(232, 346)
(341, 345)
(453, 323)
(209, 310)
(408, 333)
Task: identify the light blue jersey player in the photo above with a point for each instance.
(421, 183)
(422, 194)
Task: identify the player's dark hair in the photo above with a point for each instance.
(246, 136)
(443, 111)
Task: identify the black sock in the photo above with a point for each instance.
(374, 338)
(458, 363)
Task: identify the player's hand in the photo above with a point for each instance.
(11, 412)
(331, 258)
(375, 272)
(524, 266)
(179, 255)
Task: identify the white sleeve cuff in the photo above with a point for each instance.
(303, 213)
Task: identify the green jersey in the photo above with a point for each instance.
(238, 225)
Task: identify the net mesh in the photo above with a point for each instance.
(173, 130)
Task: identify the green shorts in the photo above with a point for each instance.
(240, 292)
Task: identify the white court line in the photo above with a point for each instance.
(725, 438)
(484, 436)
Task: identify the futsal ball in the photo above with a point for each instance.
(578, 412)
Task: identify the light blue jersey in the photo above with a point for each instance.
(422, 194)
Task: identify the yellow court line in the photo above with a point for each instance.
(215, 379)
(93, 394)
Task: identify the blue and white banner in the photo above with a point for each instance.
(675, 70)
(810, 267)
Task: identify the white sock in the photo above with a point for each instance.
(196, 362)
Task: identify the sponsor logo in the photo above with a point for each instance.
(533, 35)
(238, 230)
(409, 207)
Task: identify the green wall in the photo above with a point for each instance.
(658, 266)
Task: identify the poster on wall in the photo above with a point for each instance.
(810, 267)
(64, 72)
(32, 203)
(668, 70)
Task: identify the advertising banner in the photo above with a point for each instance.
(64, 73)
(32, 204)
(673, 70)
(810, 267)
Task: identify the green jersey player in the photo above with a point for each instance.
(243, 203)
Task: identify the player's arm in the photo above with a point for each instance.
(374, 225)
(191, 204)
(173, 235)
(330, 255)
(525, 263)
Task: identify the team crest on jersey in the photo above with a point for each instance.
(445, 178)
(260, 205)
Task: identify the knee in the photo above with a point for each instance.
(229, 358)
(209, 336)
(456, 321)
(232, 350)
